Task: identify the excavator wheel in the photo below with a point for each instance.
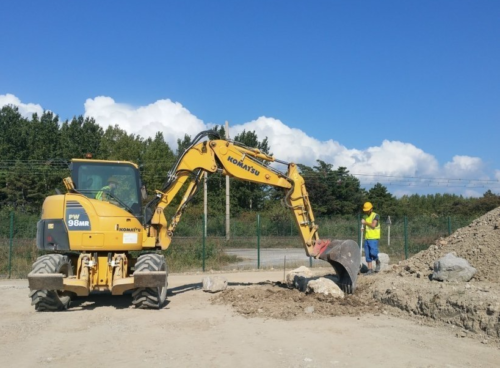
(150, 298)
(51, 300)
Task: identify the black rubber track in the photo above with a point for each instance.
(51, 300)
(150, 298)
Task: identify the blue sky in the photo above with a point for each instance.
(399, 89)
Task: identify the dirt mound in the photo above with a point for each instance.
(276, 300)
(472, 306)
(405, 290)
(478, 243)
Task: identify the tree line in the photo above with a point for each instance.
(34, 153)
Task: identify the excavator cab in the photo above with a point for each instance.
(93, 177)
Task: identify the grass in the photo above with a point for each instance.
(186, 253)
(24, 253)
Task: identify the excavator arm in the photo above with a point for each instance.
(248, 164)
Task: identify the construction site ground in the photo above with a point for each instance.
(255, 322)
(396, 318)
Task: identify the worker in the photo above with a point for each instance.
(371, 224)
(108, 190)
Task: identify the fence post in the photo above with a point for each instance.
(406, 237)
(258, 241)
(11, 236)
(358, 230)
(204, 239)
(388, 222)
(449, 225)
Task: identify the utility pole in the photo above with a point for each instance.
(228, 235)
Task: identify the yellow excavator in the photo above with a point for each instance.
(90, 233)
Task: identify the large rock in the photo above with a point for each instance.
(299, 278)
(453, 268)
(303, 279)
(324, 286)
(214, 284)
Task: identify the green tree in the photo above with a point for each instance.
(332, 192)
(116, 144)
(383, 201)
(80, 137)
(486, 203)
(14, 138)
(183, 144)
(44, 137)
(157, 160)
(22, 190)
(322, 199)
(347, 191)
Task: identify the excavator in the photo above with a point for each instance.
(90, 236)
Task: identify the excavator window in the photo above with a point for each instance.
(90, 177)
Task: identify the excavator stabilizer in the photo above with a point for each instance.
(345, 258)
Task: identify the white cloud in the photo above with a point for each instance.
(497, 175)
(26, 110)
(395, 164)
(464, 167)
(165, 116)
(392, 158)
(293, 145)
(396, 158)
(472, 193)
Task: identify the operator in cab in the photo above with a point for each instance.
(107, 191)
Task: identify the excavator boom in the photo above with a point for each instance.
(91, 233)
(249, 164)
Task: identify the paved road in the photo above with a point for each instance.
(272, 257)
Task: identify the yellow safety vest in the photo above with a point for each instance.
(371, 233)
(104, 191)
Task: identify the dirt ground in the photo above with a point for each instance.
(256, 322)
(397, 318)
(406, 289)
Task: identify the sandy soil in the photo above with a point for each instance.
(256, 322)
(397, 318)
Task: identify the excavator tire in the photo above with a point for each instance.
(51, 300)
(150, 298)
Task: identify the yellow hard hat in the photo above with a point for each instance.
(367, 206)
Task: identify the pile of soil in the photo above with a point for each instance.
(404, 290)
(472, 306)
(277, 300)
(478, 243)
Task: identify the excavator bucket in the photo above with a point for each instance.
(345, 258)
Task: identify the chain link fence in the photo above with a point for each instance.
(254, 241)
